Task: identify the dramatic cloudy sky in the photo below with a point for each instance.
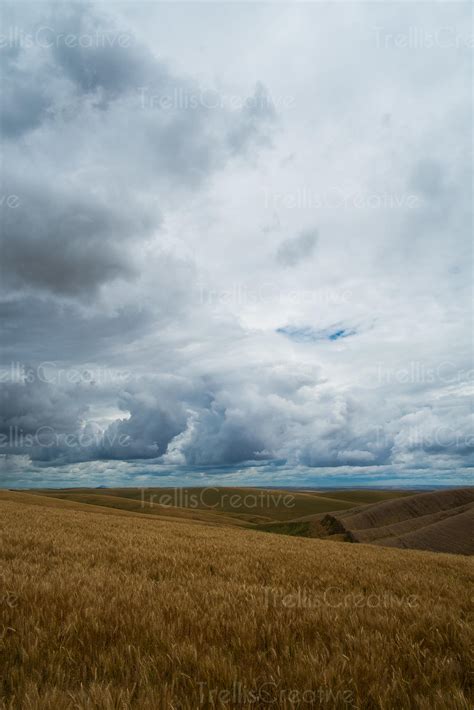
(236, 243)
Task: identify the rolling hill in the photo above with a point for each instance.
(440, 521)
(232, 505)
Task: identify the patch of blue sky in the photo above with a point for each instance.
(306, 334)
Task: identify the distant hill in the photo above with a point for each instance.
(441, 521)
(231, 505)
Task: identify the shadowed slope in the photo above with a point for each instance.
(451, 534)
(439, 521)
(394, 511)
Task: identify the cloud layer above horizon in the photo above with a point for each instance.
(236, 243)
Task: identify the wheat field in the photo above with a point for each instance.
(104, 609)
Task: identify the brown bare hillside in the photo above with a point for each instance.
(408, 526)
(394, 511)
(453, 534)
(437, 521)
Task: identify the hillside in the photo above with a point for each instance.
(105, 608)
(388, 518)
(364, 495)
(440, 521)
(250, 505)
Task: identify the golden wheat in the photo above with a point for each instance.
(113, 610)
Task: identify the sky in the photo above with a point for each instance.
(236, 244)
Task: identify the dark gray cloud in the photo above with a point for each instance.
(296, 249)
(68, 243)
(257, 113)
(25, 101)
(36, 418)
(104, 58)
(37, 329)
